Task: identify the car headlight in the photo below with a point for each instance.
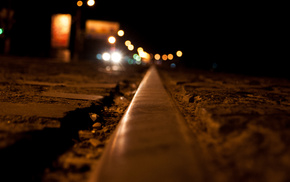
(106, 56)
(116, 57)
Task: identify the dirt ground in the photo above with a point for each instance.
(23, 81)
(242, 123)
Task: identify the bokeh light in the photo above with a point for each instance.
(91, 2)
(164, 57)
(140, 49)
(170, 56)
(172, 65)
(179, 53)
(106, 56)
(127, 42)
(79, 3)
(112, 40)
(116, 57)
(157, 56)
(137, 57)
(131, 47)
(121, 33)
(99, 56)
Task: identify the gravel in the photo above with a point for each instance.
(242, 122)
(83, 131)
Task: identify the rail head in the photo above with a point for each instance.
(151, 142)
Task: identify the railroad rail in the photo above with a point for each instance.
(152, 142)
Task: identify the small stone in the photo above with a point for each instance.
(93, 116)
(85, 134)
(95, 142)
(133, 85)
(194, 98)
(97, 126)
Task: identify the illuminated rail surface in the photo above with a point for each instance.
(152, 142)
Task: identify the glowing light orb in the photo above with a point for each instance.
(140, 49)
(164, 57)
(99, 56)
(178, 53)
(91, 2)
(131, 47)
(121, 33)
(170, 56)
(116, 57)
(79, 3)
(157, 57)
(112, 40)
(127, 42)
(106, 56)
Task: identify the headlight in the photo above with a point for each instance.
(106, 56)
(116, 57)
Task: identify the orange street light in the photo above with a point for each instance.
(157, 56)
(79, 3)
(170, 56)
(164, 57)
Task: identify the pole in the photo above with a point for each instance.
(77, 35)
(9, 17)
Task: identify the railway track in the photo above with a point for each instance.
(151, 142)
(61, 129)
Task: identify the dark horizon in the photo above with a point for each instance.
(249, 36)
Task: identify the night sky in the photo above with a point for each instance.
(231, 34)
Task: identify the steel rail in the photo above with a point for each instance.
(152, 142)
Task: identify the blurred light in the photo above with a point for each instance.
(99, 56)
(79, 3)
(172, 65)
(112, 39)
(157, 56)
(130, 61)
(145, 56)
(140, 49)
(170, 56)
(138, 62)
(60, 30)
(131, 47)
(142, 54)
(1, 31)
(115, 67)
(164, 57)
(121, 33)
(98, 29)
(108, 68)
(137, 57)
(127, 42)
(116, 57)
(106, 56)
(91, 2)
(178, 53)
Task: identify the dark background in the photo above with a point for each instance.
(232, 36)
